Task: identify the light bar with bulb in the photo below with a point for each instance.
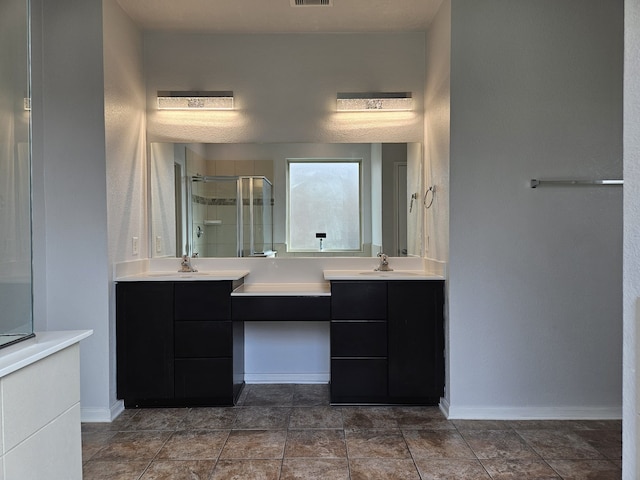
(375, 102)
(195, 100)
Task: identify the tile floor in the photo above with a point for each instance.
(290, 432)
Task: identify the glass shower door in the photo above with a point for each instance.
(15, 174)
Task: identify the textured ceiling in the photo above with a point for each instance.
(278, 16)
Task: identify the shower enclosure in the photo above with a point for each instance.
(230, 216)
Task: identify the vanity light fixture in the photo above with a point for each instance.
(375, 101)
(195, 100)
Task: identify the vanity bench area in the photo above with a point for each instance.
(183, 338)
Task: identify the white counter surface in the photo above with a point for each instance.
(378, 275)
(22, 354)
(204, 275)
(283, 289)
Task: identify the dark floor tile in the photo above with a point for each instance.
(178, 469)
(505, 469)
(157, 419)
(552, 424)
(131, 446)
(247, 469)
(559, 444)
(446, 469)
(369, 417)
(421, 418)
(261, 418)
(437, 444)
(311, 395)
(113, 470)
(599, 424)
(316, 417)
(215, 418)
(607, 442)
(255, 444)
(315, 469)
(376, 443)
(269, 395)
(194, 445)
(383, 469)
(463, 425)
(92, 442)
(315, 443)
(586, 469)
(498, 444)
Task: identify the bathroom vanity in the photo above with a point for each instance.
(177, 344)
(387, 341)
(180, 338)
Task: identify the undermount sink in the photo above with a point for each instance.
(389, 273)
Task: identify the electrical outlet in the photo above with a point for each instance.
(158, 244)
(135, 246)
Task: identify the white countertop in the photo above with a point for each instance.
(169, 276)
(283, 289)
(22, 354)
(380, 275)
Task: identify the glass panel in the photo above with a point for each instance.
(15, 173)
(324, 205)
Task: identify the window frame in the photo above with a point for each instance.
(360, 164)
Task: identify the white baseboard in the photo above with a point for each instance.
(102, 415)
(530, 413)
(286, 377)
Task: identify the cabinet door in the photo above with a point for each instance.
(416, 340)
(200, 339)
(355, 380)
(205, 381)
(359, 300)
(358, 338)
(203, 300)
(144, 338)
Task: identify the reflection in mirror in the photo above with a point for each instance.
(15, 167)
(199, 204)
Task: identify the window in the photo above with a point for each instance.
(323, 197)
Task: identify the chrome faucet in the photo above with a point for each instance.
(384, 263)
(185, 265)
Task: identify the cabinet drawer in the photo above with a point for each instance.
(359, 300)
(202, 300)
(203, 339)
(279, 308)
(358, 339)
(354, 380)
(204, 378)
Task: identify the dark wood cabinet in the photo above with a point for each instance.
(144, 325)
(387, 342)
(416, 341)
(177, 344)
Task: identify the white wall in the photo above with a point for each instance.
(535, 274)
(70, 199)
(437, 132)
(631, 420)
(126, 168)
(285, 86)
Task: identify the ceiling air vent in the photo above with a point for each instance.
(311, 3)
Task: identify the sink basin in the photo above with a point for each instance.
(392, 273)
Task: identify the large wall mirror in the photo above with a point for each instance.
(15, 173)
(231, 200)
